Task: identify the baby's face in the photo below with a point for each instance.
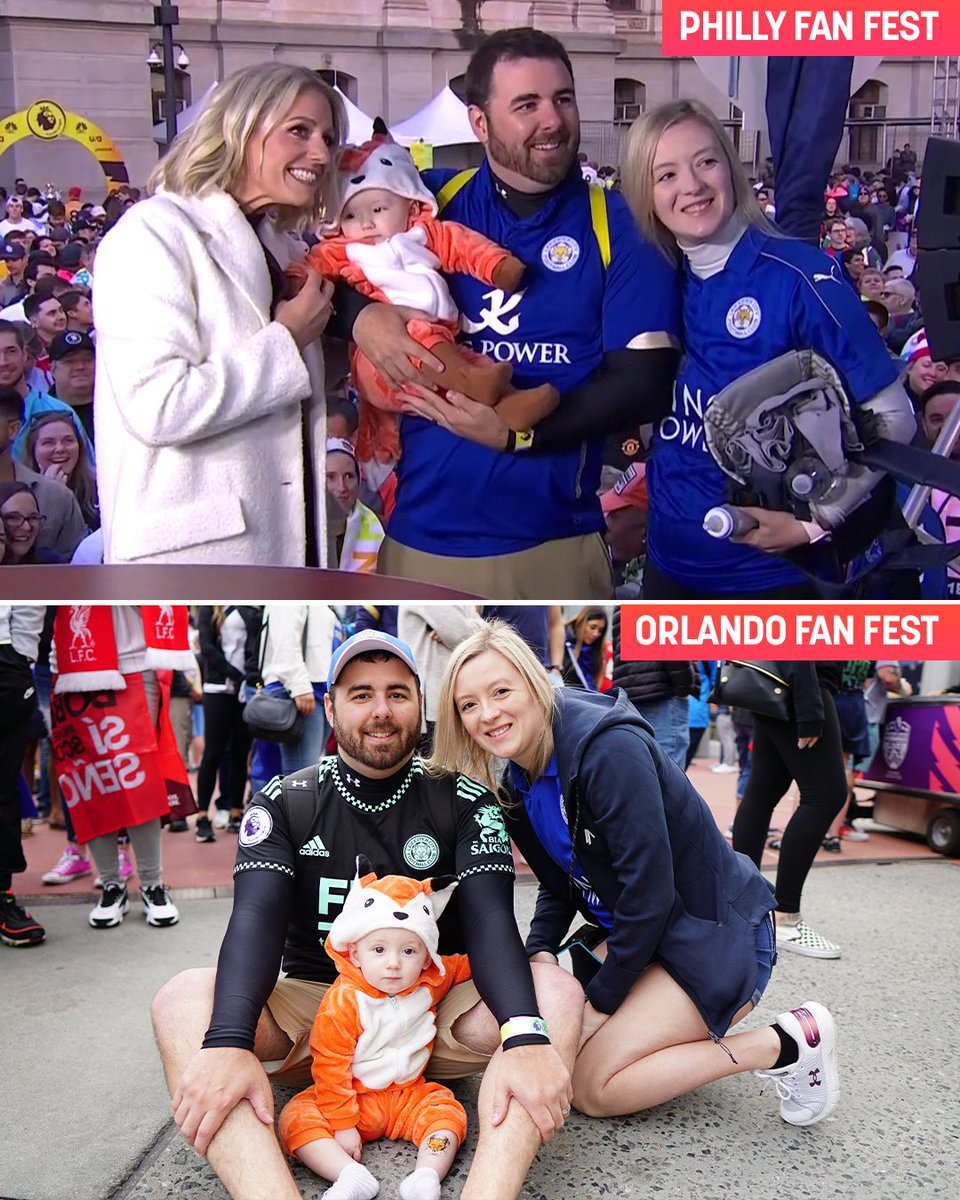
(389, 959)
(374, 216)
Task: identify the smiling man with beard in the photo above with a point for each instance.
(297, 856)
(516, 516)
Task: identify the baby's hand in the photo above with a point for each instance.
(507, 274)
(348, 1140)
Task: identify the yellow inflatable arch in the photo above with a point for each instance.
(46, 120)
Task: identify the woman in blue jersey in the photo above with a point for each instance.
(750, 296)
(678, 922)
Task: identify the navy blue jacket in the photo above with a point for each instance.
(651, 850)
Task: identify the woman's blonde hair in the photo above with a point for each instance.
(636, 169)
(211, 153)
(453, 748)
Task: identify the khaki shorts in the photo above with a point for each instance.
(557, 570)
(293, 1003)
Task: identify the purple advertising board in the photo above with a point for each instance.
(919, 745)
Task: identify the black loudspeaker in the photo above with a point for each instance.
(938, 266)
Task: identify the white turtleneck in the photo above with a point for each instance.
(709, 257)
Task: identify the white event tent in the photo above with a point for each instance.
(186, 116)
(359, 125)
(442, 122)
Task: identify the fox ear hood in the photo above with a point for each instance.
(392, 902)
(384, 164)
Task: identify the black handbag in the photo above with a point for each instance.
(755, 686)
(273, 716)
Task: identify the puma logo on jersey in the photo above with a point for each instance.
(820, 278)
(315, 848)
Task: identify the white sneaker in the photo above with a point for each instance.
(158, 908)
(809, 1088)
(113, 907)
(801, 939)
(723, 769)
(220, 818)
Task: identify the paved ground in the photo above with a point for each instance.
(87, 1116)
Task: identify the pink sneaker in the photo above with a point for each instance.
(126, 868)
(71, 866)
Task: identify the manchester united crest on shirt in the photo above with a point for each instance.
(743, 318)
(560, 253)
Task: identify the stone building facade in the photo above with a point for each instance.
(389, 56)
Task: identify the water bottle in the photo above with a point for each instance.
(726, 520)
(808, 479)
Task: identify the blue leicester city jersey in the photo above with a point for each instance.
(464, 500)
(774, 295)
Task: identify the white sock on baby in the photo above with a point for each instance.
(423, 1184)
(354, 1183)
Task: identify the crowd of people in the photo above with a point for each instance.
(276, 312)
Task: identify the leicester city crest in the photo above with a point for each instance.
(743, 318)
(421, 852)
(560, 253)
(896, 739)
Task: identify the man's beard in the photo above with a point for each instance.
(369, 754)
(521, 161)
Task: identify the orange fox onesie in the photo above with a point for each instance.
(369, 1049)
(405, 269)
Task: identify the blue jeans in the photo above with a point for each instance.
(669, 718)
(312, 745)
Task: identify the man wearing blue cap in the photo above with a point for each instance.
(298, 850)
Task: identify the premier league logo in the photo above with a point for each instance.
(256, 827)
(896, 740)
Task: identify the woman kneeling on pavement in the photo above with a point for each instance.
(615, 833)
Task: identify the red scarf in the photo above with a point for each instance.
(87, 657)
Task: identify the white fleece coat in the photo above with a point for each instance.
(198, 393)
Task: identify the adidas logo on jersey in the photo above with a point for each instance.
(315, 848)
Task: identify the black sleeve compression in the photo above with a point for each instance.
(250, 956)
(347, 306)
(497, 957)
(631, 387)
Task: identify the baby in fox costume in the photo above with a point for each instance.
(371, 1039)
(389, 245)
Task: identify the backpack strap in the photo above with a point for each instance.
(452, 186)
(601, 222)
(301, 802)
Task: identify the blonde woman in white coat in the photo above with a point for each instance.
(210, 392)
